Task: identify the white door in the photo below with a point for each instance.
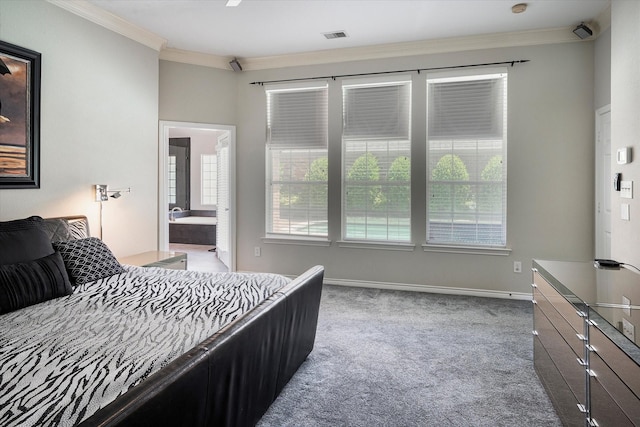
(604, 182)
(223, 242)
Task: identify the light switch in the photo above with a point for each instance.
(624, 212)
(626, 302)
(626, 189)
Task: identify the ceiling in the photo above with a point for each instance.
(269, 28)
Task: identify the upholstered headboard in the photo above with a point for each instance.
(67, 227)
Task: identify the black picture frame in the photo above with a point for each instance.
(20, 72)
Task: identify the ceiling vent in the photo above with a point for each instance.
(335, 35)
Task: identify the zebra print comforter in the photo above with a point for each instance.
(62, 360)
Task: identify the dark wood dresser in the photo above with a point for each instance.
(586, 353)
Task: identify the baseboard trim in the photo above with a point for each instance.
(429, 289)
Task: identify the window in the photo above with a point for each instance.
(172, 179)
(376, 150)
(297, 173)
(467, 167)
(209, 175)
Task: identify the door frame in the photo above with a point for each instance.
(163, 179)
(600, 180)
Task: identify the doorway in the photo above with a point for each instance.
(225, 193)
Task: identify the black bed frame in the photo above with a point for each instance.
(231, 378)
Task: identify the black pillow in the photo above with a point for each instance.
(23, 240)
(87, 260)
(28, 283)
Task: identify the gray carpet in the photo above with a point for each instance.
(392, 358)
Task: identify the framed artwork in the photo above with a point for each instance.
(19, 117)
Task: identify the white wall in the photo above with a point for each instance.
(99, 124)
(625, 123)
(191, 93)
(602, 69)
(550, 168)
(550, 174)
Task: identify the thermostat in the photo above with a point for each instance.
(623, 155)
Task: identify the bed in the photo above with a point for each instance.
(115, 345)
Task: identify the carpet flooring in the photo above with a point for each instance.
(394, 358)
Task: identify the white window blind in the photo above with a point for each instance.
(209, 175)
(297, 117)
(467, 168)
(172, 179)
(376, 190)
(297, 165)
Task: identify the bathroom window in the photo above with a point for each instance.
(209, 164)
(172, 179)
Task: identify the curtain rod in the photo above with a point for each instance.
(418, 70)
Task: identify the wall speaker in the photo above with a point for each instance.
(583, 31)
(235, 65)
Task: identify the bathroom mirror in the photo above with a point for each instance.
(179, 173)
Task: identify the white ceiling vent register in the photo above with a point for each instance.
(335, 35)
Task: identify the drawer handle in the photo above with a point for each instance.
(581, 362)
(581, 313)
(591, 373)
(534, 301)
(582, 408)
(533, 285)
(535, 333)
(581, 337)
(593, 423)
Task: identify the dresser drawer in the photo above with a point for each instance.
(604, 409)
(564, 307)
(575, 340)
(623, 397)
(624, 367)
(563, 399)
(562, 355)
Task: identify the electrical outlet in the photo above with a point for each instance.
(628, 329)
(517, 267)
(256, 251)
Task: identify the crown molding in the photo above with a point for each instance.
(196, 58)
(425, 47)
(395, 50)
(602, 21)
(112, 22)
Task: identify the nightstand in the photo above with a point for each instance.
(162, 259)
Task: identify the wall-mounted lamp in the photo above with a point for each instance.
(583, 31)
(118, 193)
(102, 194)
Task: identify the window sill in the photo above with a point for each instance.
(472, 250)
(297, 240)
(387, 246)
